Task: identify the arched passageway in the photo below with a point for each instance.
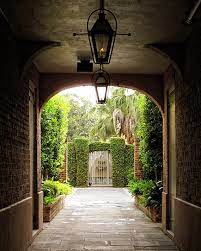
(22, 29)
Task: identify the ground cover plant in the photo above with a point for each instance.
(53, 189)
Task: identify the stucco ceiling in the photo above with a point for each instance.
(149, 21)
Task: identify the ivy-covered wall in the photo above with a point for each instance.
(117, 146)
(128, 161)
(78, 160)
(99, 146)
(72, 169)
(82, 160)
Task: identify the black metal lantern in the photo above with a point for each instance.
(101, 81)
(102, 34)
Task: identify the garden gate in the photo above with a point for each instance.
(100, 168)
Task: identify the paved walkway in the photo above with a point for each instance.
(101, 219)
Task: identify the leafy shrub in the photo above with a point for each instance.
(140, 187)
(48, 200)
(149, 192)
(63, 188)
(72, 168)
(128, 162)
(52, 189)
(134, 187)
(154, 196)
(99, 146)
(117, 146)
(82, 160)
(130, 175)
(54, 125)
(149, 131)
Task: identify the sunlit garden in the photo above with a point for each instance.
(87, 144)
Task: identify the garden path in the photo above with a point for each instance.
(101, 219)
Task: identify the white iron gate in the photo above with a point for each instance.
(100, 168)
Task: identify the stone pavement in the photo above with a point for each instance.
(101, 219)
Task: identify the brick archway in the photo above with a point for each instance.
(150, 85)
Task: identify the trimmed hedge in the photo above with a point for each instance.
(99, 146)
(78, 160)
(117, 146)
(72, 169)
(82, 159)
(128, 161)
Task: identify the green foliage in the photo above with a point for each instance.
(128, 162)
(149, 130)
(82, 159)
(52, 189)
(103, 126)
(63, 188)
(117, 146)
(54, 126)
(118, 117)
(78, 155)
(134, 187)
(149, 192)
(72, 168)
(99, 146)
(130, 175)
(154, 196)
(48, 200)
(81, 119)
(140, 187)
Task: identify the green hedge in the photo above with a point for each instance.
(72, 169)
(82, 159)
(117, 146)
(78, 160)
(128, 161)
(99, 146)
(149, 131)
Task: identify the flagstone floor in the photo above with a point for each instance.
(101, 219)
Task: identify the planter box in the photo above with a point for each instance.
(153, 213)
(49, 212)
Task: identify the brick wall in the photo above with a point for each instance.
(188, 123)
(14, 143)
(14, 123)
(137, 164)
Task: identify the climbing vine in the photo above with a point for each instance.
(128, 162)
(82, 160)
(149, 131)
(117, 146)
(54, 125)
(78, 160)
(99, 146)
(72, 169)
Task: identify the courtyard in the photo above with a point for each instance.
(101, 218)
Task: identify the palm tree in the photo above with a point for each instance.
(103, 128)
(118, 116)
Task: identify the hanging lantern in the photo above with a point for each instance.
(101, 81)
(102, 34)
(102, 31)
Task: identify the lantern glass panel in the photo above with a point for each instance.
(102, 41)
(101, 93)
